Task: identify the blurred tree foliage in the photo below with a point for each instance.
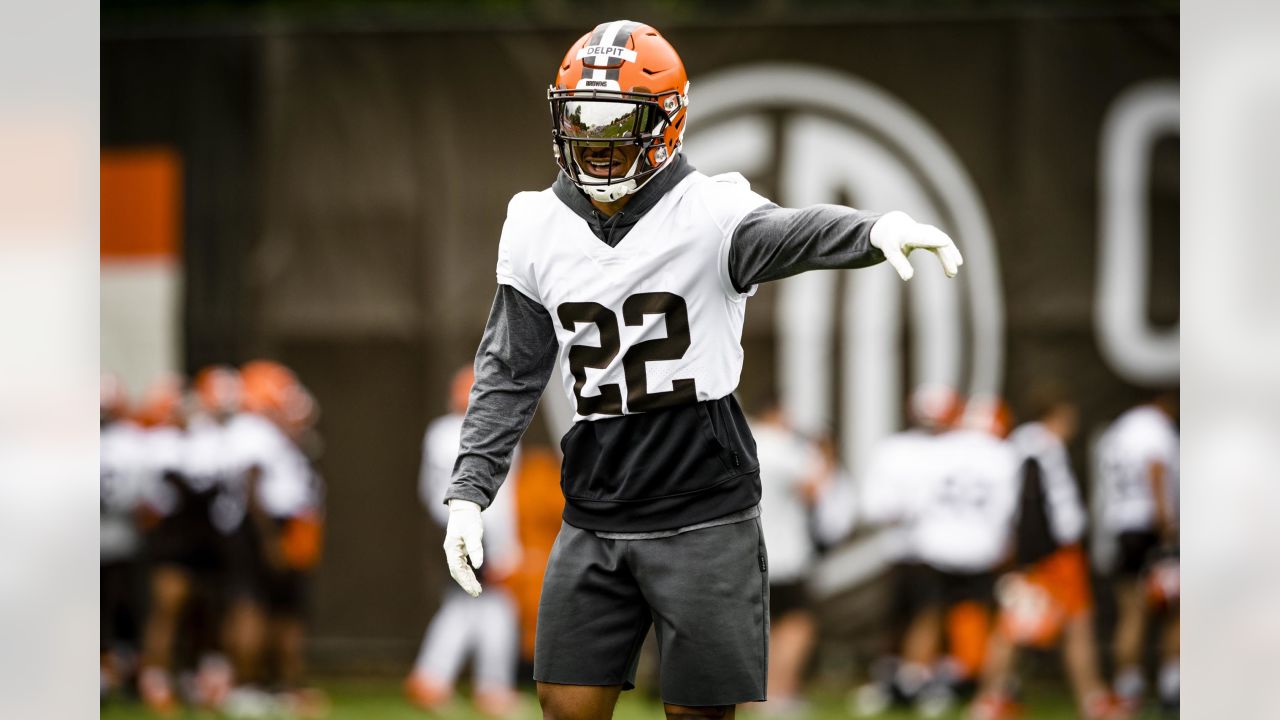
(521, 13)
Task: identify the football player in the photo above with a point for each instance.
(793, 474)
(1139, 482)
(960, 533)
(183, 546)
(894, 487)
(122, 456)
(1048, 593)
(284, 516)
(631, 272)
(487, 625)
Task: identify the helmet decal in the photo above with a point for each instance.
(607, 50)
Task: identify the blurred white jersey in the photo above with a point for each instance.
(965, 520)
(1033, 441)
(214, 463)
(439, 451)
(218, 458)
(286, 485)
(163, 449)
(654, 322)
(900, 473)
(787, 460)
(122, 459)
(1139, 438)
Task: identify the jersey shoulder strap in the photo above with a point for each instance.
(727, 197)
(722, 201)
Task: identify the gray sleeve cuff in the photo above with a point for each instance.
(467, 484)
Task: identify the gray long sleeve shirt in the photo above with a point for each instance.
(517, 352)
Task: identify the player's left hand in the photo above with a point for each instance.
(895, 234)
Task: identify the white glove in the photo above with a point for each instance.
(896, 235)
(462, 540)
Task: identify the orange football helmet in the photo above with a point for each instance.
(274, 391)
(989, 414)
(460, 389)
(162, 405)
(219, 390)
(620, 84)
(113, 398)
(934, 406)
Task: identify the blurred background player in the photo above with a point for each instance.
(279, 540)
(898, 477)
(486, 624)
(202, 588)
(1139, 482)
(122, 461)
(961, 534)
(225, 452)
(1048, 594)
(793, 474)
(183, 546)
(290, 500)
(231, 507)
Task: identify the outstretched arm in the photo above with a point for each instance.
(516, 357)
(772, 242)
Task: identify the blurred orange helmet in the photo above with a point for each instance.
(219, 390)
(162, 403)
(460, 389)
(274, 391)
(934, 406)
(113, 398)
(620, 84)
(989, 414)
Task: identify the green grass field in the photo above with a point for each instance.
(381, 700)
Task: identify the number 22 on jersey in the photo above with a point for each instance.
(673, 347)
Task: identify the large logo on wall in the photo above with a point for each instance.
(827, 137)
(1138, 351)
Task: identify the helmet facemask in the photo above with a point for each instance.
(590, 128)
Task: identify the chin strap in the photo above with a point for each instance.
(615, 191)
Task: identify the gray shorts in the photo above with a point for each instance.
(705, 591)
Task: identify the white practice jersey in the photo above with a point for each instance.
(1033, 441)
(439, 451)
(965, 520)
(787, 461)
(164, 451)
(900, 473)
(1139, 438)
(214, 462)
(122, 458)
(218, 458)
(651, 323)
(286, 484)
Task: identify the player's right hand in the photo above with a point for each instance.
(462, 548)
